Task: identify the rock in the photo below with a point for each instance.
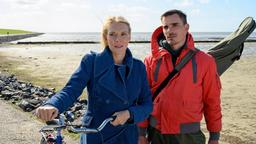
(78, 106)
(16, 98)
(25, 95)
(52, 89)
(29, 104)
(15, 85)
(6, 94)
(83, 101)
(22, 85)
(28, 97)
(36, 102)
(12, 78)
(25, 106)
(1, 85)
(7, 87)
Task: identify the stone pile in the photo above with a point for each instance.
(28, 97)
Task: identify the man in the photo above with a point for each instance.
(193, 92)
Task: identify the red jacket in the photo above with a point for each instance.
(180, 106)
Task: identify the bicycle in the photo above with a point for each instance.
(51, 133)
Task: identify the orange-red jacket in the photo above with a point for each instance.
(180, 106)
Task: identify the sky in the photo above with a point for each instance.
(143, 15)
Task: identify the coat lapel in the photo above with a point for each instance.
(104, 72)
(110, 81)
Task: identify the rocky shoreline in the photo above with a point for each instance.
(29, 97)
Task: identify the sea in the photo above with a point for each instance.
(136, 36)
(140, 50)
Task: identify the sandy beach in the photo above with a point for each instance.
(52, 66)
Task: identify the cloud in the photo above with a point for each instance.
(195, 11)
(190, 3)
(26, 2)
(227, 1)
(138, 15)
(19, 6)
(187, 3)
(130, 12)
(204, 1)
(46, 15)
(184, 3)
(127, 10)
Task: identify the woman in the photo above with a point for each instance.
(116, 84)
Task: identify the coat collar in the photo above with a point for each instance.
(104, 61)
(104, 68)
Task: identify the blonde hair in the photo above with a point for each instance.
(106, 24)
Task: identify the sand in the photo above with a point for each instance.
(53, 67)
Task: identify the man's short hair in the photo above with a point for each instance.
(181, 14)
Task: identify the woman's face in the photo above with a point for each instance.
(118, 37)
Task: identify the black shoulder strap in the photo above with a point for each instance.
(176, 69)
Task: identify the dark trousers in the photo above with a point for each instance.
(191, 138)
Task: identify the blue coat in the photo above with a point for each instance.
(111, 88)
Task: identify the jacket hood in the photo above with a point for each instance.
(158, 35)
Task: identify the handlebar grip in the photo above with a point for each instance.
(53, 122)
(113, 118)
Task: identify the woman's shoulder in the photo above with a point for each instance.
(89, 56)
(138, 63)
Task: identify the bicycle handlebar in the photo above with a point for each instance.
(88, 130)
(84, 130)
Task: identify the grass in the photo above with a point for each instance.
(11, 66)
(14, 66)
(13, 31)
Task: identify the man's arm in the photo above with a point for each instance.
(211, 98)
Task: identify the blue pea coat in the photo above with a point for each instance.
(111, 88)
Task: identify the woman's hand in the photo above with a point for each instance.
(47, 112)
(121, 117)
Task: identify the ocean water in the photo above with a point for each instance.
(136, 36)
(139, 50)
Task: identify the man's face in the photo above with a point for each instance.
(174, 30)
